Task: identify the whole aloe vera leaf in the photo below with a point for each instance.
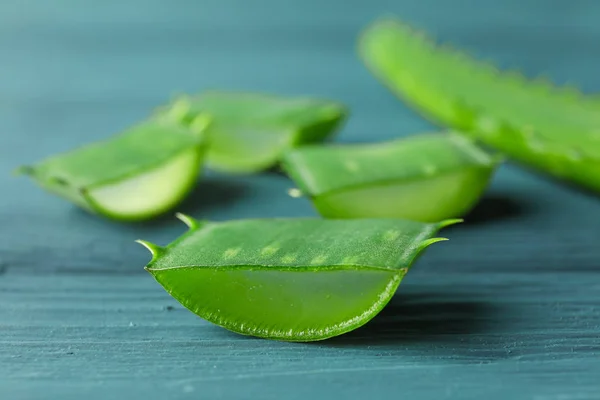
(135, 175)
(299, 279)
(251, 130)
(426, 177)
(555, 130)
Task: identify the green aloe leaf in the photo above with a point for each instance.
(135, 175)
(426, 177)
(251, 130)
(297, 279)
(556, 130)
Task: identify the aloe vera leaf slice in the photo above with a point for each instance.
(427, 177)
(135, 175)
(298, 279)
(555, 130)
(251, 130)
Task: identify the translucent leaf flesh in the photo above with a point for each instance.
(250, 131)
(135, 175)
(556, 130)
(245, 150)
(426, 177)
(290, 279)
(429, 200)
(284, 305)
(150, 193)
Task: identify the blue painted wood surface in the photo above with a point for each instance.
(508, 309)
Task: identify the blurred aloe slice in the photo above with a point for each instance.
(136, 175)
(553, 129)
(250, 131)
(427, 177)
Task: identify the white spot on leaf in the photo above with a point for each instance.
(352, 166)
(288, 258)
(269, 250)
(350, 260)
(574, 155)
(429, 170)
(320, 259)
(537, 146)
(595, 135)
(391, 235)
(232, 252)
(487, 125)
(528, 131)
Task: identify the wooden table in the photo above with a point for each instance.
(508, 309)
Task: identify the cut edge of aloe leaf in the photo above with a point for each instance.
(332, 284)
(152, 193)
(243, 164)
(408, 199)
(320, 131)
(382, 286)
(139, 194)
(331, 117)
(134, 198)
(433, 195)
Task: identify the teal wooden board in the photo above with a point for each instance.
(508, 309)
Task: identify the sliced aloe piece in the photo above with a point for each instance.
(289, 279)
(138, 174)
(250, 131)
(426, 177)
(556, 130)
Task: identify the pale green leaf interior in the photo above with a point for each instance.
(150, 192)
(427, 200)
(245, 149)
(426, 177)
(323, 169)
(285, 305)
(136, 174)
(251, 130)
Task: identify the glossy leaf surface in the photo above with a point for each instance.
(250, 131)
(297, 279)
(556, 130)
(135, 175)
(426, 177)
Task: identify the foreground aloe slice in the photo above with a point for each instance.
(290, 279)
(135, 175)
(250, 131)
(552, 129)
(426, 177)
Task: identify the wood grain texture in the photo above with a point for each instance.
(508, 309)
